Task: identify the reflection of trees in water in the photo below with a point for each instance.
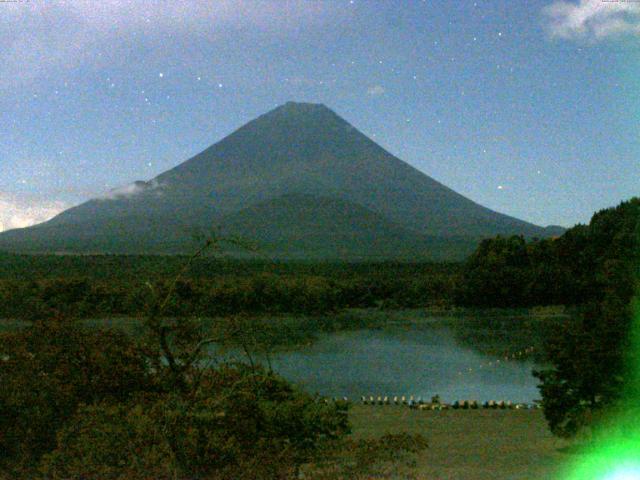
(518, 337)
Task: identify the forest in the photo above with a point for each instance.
(104, 285)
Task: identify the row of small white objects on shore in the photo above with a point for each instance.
(436, 404)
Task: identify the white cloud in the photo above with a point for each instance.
(375, 90)
(126, 191)
(131, 190)
(20, 213)
(593, 19)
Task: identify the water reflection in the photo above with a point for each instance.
(419, 360)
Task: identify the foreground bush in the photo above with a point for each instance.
(47, 370)
(233, 428)
(80, 403)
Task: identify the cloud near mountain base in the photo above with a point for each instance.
(19, 213)
(132, 189)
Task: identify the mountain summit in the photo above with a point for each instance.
(299, 180)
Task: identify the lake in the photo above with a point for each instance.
(413, 359)
(413, 354)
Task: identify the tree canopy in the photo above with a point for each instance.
(590, 356)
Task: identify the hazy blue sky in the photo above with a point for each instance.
(527, 107)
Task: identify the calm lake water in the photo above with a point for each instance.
(420, 356)
(419, 360)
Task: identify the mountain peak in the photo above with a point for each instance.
(301, 108)
(305, 106)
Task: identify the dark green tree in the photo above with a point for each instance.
(497, 273)
(590, 355)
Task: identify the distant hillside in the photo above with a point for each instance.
(300, 181)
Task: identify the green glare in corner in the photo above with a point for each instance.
(615, 455)
(619, 461)
(625, 473)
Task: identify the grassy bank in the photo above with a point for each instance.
(471, 444)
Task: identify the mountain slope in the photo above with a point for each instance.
(296, 149)
(310, 227)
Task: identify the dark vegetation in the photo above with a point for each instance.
(594, 267)
(595, 359)
(568, 270)
(103, 285)
(88, 403)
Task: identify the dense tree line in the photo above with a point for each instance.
(514, 272)
(594, 267)
(110, 267)
(576, 268)
(595, 358)
(223, 295)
